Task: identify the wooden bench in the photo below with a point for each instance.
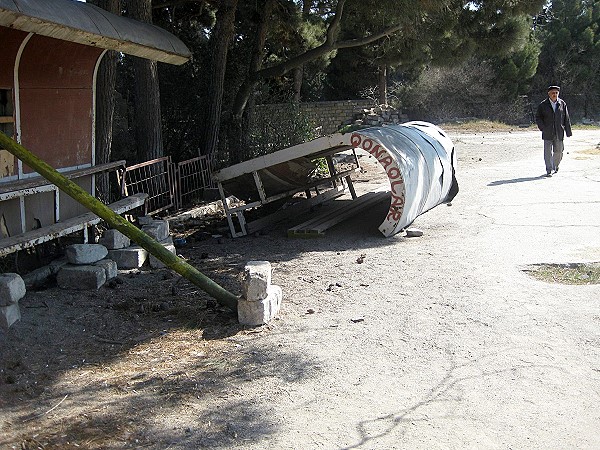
(33, 185)
(22, 188)
(68, 226)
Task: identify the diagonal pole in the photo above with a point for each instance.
(172, 261)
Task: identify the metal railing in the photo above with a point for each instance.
(154, 178)
(193, 176)
(169, 185)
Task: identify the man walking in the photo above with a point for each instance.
(552, 119)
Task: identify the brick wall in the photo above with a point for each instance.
(328, 115)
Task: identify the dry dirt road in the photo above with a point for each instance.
(437, 342)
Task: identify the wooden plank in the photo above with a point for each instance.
(301, 206)
(38, 181)
(318, 147)
(68, 226)
(316, 226)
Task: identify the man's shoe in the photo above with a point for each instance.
(556, 170)
(548, 174)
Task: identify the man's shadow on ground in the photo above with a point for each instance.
(516, 180)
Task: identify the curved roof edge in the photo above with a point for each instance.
(87, 24)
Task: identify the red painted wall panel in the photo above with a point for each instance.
(56, 125)
(56, 98)
(48, 62)
(10, 41)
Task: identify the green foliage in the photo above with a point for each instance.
(435, 33)
(468, 90)
(272, 130)
(570, 55)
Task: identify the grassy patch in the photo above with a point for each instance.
(591, 151)
(573, 273)
(488, 126)
(477, 125)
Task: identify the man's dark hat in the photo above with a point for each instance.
(553, 87)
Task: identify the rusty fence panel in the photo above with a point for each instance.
(155, 178)
(193, 177)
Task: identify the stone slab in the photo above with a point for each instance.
(156, 263)
(259, 312)
(114, 239)
(129, 258)
(144, 220)
(9, 315)
(110, 268)
(85, 253)
(158, 229)
(12, 288)
(256, 280)
(37, 277)
(81, 277)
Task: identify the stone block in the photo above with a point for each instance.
(129, 258)
(167, 241)
(259, 312)
(81, 277)
(37, 277)
(256, 280)
(9, 315)
(12, 288)
(110, 268)
(156, 263)
(57, 264)
(158, 229)
(144, 220)
(85, 253)
(113, 239)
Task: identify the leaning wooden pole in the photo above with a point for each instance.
(172, 261)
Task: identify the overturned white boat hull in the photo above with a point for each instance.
(418, 158)
(420, 162)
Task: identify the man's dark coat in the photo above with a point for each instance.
(553, 125)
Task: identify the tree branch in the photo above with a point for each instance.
(314, 53)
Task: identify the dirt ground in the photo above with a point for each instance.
(438, 342)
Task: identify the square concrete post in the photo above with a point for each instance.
(260, 300)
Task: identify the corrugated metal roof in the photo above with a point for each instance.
(89, 25)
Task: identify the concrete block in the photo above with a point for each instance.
(9, 315)
(85, 253)
(81, 277)
(37, 277)
(129, 258)
(110, 268)
(156, 263)
(158, 229)
(12, 288)
(256, 280)
(113, 239)
(259, 312)
(167, 241)
(57, 264)
(144, 220)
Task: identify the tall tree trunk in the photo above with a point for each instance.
(105, 106)
(299, 71)
(148, 123)
(382, 81)
(236, 127)
(219, 42)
